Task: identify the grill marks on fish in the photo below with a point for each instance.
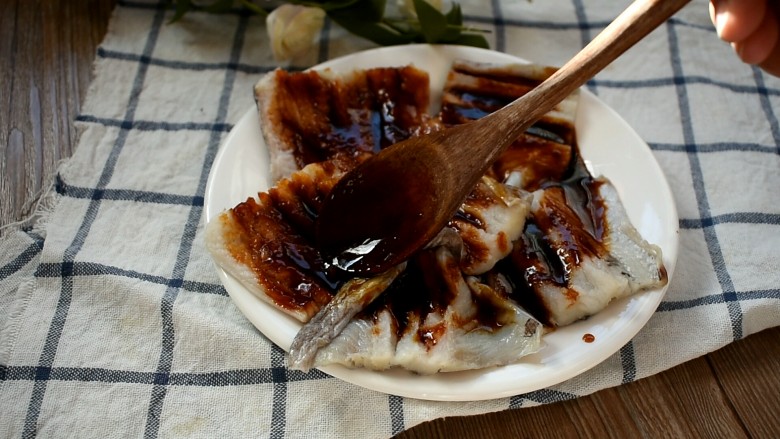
(578, 252)
(433, 290)
(487, 222)
(250, 234)
(473, 90)
(432, 319)
(532, 161)
(544, 153)
(313, 116)
(573, 213)
(267, 241)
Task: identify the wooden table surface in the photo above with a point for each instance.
(46, 50)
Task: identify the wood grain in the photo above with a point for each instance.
(740, 399)
(46, 51)
(749, 374)
(46, 48)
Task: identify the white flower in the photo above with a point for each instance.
(407, 6)
(292, 29)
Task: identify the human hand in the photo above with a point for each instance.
(753, 29)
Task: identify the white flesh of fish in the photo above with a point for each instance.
(632, 265)
(460, 342)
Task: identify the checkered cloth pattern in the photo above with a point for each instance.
(113, 322)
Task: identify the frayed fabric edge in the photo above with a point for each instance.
(37, 213)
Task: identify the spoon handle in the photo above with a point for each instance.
(390, 206)
(634, 23)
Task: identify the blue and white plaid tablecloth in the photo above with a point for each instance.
(113, 322)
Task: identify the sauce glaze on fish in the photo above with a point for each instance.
(537, 231)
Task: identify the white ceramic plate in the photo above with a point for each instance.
(610, 147)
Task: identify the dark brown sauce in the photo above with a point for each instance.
(543, 154)
(516, 272)
(574, 212)
(423, 288)
(384, 108)
(502, 75)
(299, 201)
(484, 93)
(588, 338)
(400, 98)
(372, 247)
(469, 218)
(489, 316)
(366, 112)
(418, 291)
(540, 161)
(283, 261)
(430, 335)
(500, 85)
(309, 260)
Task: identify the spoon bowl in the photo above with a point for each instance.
(373, 236)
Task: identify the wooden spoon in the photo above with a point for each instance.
(393, 204)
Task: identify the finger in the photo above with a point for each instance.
(735, 20)
(772, 63)
(758, 46)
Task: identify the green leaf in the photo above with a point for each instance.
(451, 36)
(372, 31)
(378, 6)
(455, 16)
(365, 19)
(403, 26)
(219, 6)
(476, 40)
(366, 10)
(433, 24)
